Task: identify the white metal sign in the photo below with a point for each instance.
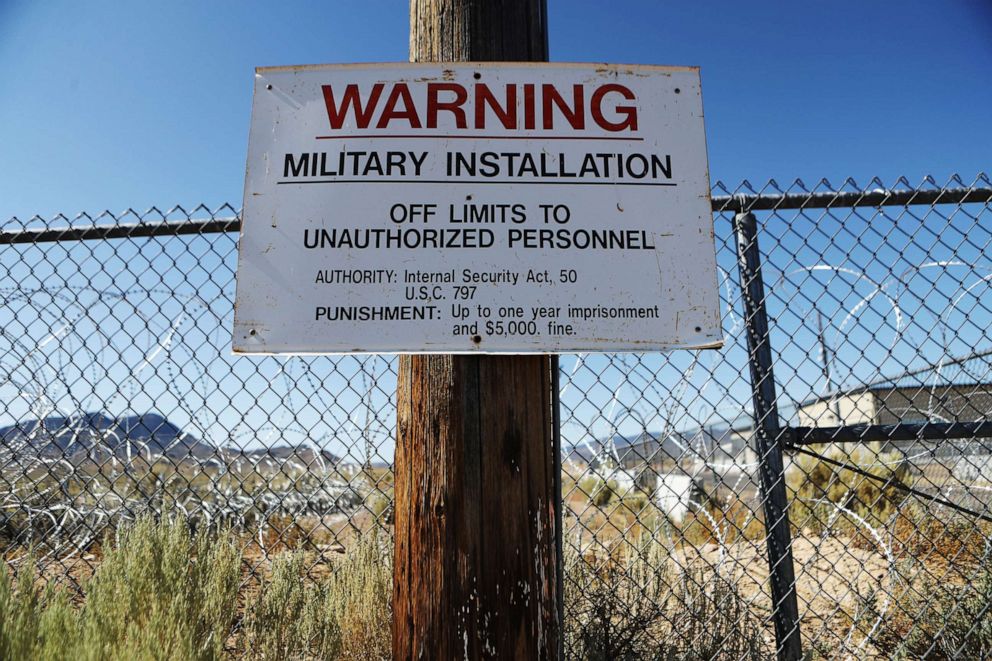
(476, 207)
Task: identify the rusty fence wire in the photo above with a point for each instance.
(819, 486)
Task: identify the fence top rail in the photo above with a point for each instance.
(835, 199)
(903, 431)
(731, 203)
(122, 231)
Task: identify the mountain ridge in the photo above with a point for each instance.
(96, 433)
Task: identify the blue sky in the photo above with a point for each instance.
(134, 104)
(111, 105)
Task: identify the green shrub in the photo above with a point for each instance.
(346, 615)
(377, 504)
(33, 624)
(162, 593)
(937, 620)
(816, 486)
(158, 594)
(289, 618)
(360, 594)
(599, 491)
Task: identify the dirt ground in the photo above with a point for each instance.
(836, 580)
(831, 577)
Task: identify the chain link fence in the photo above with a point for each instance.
(821, 487)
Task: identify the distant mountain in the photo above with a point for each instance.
(650, 447)
(95, 434)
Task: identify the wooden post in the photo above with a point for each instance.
(477, 466)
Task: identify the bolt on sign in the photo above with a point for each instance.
(476, 208)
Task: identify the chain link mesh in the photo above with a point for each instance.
(120, 396)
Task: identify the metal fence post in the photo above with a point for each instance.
(768, 441)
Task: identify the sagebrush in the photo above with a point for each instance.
(163, 592)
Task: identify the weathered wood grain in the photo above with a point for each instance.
(475, 512)
(476, 561)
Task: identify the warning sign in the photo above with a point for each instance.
(476, 207)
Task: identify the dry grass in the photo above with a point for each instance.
(644, 587)
(878, 575)
(641, 603)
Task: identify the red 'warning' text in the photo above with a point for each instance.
(528, 106)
